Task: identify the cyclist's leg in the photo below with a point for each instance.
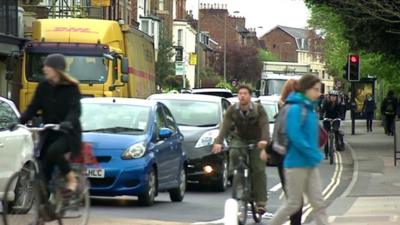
(55, 156)
(326, 147)
(234, 153)
(258, 178)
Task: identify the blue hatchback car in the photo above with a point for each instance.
(138, 146)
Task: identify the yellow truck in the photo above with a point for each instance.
(108, 59)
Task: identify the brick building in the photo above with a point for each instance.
(299, 46)
(284, 42)
(215, 18)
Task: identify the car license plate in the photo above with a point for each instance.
(95, 173)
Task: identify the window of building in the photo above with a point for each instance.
(145, 26)
(161, 5)
(9, 17)
(180, 34)
(323, 74)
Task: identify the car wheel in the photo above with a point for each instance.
(222, 183)
(147, 197)
(23, 192)
(177, 194)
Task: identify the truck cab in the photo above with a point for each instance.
(271, 84)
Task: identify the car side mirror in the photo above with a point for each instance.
(165, 133)
(13, 127)
(125, 65)
(125, 78)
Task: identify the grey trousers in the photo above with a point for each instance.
(302, 181)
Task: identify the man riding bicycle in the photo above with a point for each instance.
(332, 110)
(250, 125)
(58, 99)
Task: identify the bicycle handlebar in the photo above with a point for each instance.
(49, 126)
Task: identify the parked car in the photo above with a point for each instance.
(271, 108)
(16, 150)
(138, 146)
(199, 118)
(234, 100)
(220, 92)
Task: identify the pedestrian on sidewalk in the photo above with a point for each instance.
(289, 87)
(388, 108)
(303, 155)
(369, 110)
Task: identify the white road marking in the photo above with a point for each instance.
(220, 221)
(332, 186)
(276, 187)
(327, 192)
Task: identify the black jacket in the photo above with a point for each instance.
(60, 103)
(369, 106)
(389, 106)
(331, 111)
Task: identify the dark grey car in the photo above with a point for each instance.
(199, 118)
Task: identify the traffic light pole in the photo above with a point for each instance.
(353, 108)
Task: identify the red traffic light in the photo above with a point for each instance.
(354, 58)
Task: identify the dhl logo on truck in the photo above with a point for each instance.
(73, 29)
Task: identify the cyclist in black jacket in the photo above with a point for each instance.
(332, 110)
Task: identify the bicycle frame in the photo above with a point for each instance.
(53, 203)
(332, 127)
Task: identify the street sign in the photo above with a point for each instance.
(180, 68)
(193, 59)
(101, 3)
(179, 54)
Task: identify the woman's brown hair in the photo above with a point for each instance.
(308, 81)
(288, 87)
(67, 79)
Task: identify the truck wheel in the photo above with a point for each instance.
(147, 198)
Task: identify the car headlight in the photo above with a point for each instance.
(207, 139)
(135, 151)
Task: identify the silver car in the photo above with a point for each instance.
(199, 118)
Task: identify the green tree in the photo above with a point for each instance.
(337, 46)
(164, 64)
(370, 25)
(264, 56)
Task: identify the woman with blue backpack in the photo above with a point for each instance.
(302, 156)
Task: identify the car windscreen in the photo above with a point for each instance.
(194, 113)
(274, 87)
(114, 118)
(270, 109)
(86, 69)
(216, 93)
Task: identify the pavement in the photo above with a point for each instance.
(113, 221)
(373, 196)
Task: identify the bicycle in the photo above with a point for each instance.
(45, 202)
(241, 188)
(332, 127)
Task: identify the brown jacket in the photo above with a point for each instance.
(253, 126)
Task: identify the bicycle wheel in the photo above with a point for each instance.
(331, 146)
(256, 216)
(21, 199)
(74, 210)
(239, 192)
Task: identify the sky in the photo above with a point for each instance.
(264, 13)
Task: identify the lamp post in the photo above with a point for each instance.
(198, 44)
